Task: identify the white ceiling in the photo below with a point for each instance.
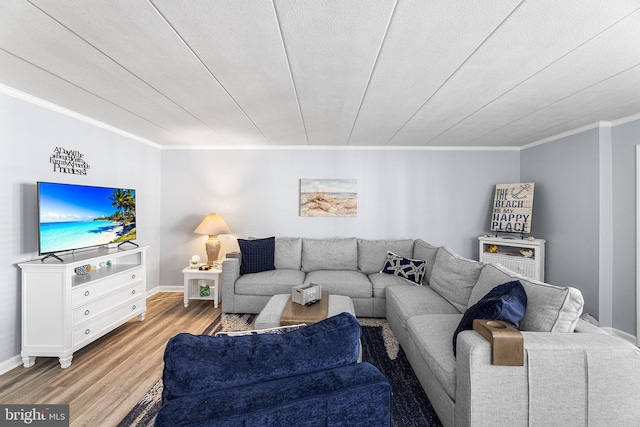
(329, 72)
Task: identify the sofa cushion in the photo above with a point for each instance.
(372, 254)
(427, 252)
(348, 283)
(454, 277)
(288, 253)
(549, 308)
(506, 302)
(329, 254)
(410, 269)
(352, 395)
(327, 344)
(257, 255)
(380, 282)
(269, 282)
(407, 301)
(432, 333)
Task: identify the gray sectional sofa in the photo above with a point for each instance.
(573, 374)
(345, 266)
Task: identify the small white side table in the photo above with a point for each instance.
(191, 288)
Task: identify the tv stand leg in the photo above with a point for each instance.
(130, 242)
(65, 362)
(28, 361)
(52, 255)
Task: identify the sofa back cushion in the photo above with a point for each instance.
(549, 308)
(427, 252)
(329, 254)
(288, 253)
(454, 277)
(252, 359)
(372, 254)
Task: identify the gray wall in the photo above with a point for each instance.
(441, 196)
(29, 134)
(625, 139)
(566, 210)
(585, 206)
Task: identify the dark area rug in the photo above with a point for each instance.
(409, 407)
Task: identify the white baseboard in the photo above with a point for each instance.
(8, 365)
(159, 289)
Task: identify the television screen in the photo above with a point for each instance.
(80, 216)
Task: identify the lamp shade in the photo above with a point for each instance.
(213, 224)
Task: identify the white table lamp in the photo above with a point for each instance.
(213, 225)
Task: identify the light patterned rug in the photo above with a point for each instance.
(409, 407)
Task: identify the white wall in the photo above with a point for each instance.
(441, 196)
(29, 134)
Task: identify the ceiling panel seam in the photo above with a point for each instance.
(88, 91)
(456, 70)
(532, 76)
(373, 69)
(293, 80)
(201, 62)
(123, 67)
(556, 102)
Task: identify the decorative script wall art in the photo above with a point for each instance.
(68, 161)
(512, 207)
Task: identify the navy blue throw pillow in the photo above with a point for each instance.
(257, 255)
(506, 302)
(410, 269)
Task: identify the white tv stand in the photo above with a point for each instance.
(63, 311)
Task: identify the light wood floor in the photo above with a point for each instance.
(109, 376)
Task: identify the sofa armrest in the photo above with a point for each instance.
(230, 273)
(584, 326)
(567, 379)
(196, 363)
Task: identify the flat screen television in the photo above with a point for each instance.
(80, 216)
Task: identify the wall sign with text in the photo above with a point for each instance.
(68, 161)
(512, 207)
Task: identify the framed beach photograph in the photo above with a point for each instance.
(328, 197)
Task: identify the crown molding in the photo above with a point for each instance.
(69, 113)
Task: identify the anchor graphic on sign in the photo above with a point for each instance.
(515, 193)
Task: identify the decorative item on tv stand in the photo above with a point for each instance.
(213, 225)
(511, 216)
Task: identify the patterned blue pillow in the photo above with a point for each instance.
(409, 269)
(257, 255)
(506, 302)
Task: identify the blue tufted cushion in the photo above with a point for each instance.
(410, 269)
(196, 363)
(506, 302)
(257, 255)
(352, 395)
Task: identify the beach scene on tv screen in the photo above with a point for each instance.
(73, 216)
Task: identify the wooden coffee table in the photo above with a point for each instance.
(280, 307)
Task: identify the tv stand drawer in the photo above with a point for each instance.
(88, 292)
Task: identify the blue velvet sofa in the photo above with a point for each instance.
(246, 381)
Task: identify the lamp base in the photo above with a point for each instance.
(212, 247)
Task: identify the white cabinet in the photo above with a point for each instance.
(507, 252)
(63, 311)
